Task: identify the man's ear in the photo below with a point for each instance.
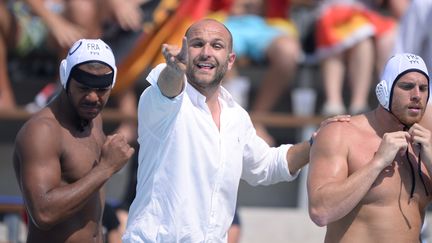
(231, 60)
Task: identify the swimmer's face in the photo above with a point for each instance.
(89, 101)
(410, 96)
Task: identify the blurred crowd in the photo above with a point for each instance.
(345, 41)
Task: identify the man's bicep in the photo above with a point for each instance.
(39, 164)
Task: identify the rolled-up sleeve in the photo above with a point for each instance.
(264, 165)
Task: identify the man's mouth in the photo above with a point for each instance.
(90, 108)
(206, 66)
(415, 108)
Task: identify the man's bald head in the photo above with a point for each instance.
(210, 24)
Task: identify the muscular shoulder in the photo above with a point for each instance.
(337, 134)
(42, 129)
(335, 129)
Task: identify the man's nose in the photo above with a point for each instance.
(92, 95)
(416, 93)
(206, 50)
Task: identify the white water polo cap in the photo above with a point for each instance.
(397, 66)
(86, 51)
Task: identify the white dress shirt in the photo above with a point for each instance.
(189, 170)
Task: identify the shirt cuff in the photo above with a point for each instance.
(283, 157)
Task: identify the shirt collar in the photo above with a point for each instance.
(199, 100)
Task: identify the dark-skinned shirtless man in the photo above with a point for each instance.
(62, 157)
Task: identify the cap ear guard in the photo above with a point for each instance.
(383, 94)
(63, 78)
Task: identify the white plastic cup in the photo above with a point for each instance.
(303, 101)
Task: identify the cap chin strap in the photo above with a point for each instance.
(419, 161)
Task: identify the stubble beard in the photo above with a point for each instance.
(80, 122)
(200, 84)
(406, 119)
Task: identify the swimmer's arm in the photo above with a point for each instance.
(48, 199)
(332, 192)
(172, 78)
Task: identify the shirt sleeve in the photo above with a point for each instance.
(157, 112)
(153, 76)
(264, 165)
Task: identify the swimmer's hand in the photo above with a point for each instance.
(391, 144)
(115, 152)
(420, 137)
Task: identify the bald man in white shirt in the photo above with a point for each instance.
(196, 143)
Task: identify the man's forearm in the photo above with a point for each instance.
(171, 82)
(298, 156)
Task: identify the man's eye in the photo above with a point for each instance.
(197, 44)
(407, 86)
(424, 88)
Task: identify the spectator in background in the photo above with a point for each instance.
(44, 25)
(363, 42)
(262, 32)
(54, 25)
(414, 33)
(125, 13)
(124, 23)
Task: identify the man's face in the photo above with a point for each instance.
(89, 101)
(210, 54)
(410, 97)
